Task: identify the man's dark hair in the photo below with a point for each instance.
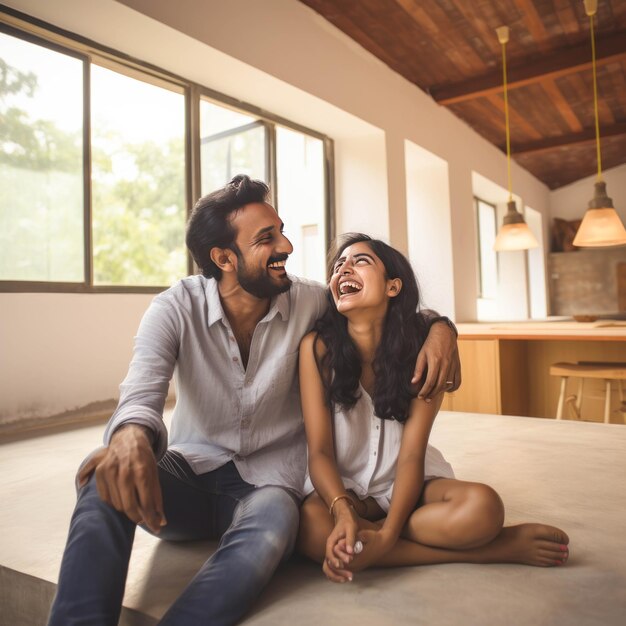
(210, 223)
(404, 331)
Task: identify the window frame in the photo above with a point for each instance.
(479, 276)
(20, 25)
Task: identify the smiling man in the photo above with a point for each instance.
(234, 466)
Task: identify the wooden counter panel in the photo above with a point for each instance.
(511, 376)
(544, 389)
(481, 379)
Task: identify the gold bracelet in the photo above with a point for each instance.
(340, 497)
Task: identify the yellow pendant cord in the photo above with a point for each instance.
(506, 122)
(595, 97)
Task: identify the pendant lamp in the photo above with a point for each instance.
(514, 234)
(601, 225)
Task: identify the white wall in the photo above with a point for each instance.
(537, 266)
(60, 352)
(428, 219)
(361, 184)
(570, 202)
(283, 57)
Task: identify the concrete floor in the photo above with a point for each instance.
(563, 473)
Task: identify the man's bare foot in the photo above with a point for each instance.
(530, 544)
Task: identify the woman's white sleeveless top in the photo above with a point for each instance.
(366, 451)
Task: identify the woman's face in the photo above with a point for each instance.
(359, 281)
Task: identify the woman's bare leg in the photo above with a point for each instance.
(455, 514)
(316, 524)
(457, 526)
(467, 519)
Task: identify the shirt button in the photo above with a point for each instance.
(377, 427)
(374, 453)
(235, 359)
(232, 338)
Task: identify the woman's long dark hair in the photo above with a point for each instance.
(404, 332)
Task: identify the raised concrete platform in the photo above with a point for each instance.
(569, 474)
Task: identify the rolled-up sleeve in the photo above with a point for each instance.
(144, 390)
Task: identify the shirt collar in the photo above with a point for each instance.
(216, 312)
(280, 305)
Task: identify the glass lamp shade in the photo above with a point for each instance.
(601, 225)
(514, 234)
(515, 237)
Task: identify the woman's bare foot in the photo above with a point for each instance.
(530, 544)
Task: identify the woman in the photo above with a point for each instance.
(378, 494)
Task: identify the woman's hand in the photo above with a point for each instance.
(376, 543)
(340, 546)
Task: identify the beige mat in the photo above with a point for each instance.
(564, 473)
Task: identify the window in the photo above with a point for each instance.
(97, 181)
(41, 163)
(138, 181)
(487, 258)
(235, 143)
(230, 143)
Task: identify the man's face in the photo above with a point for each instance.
(262, 250)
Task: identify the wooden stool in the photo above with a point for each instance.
(588, 369)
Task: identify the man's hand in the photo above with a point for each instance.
(439, 357)
(127, 477)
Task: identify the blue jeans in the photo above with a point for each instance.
(257, 529)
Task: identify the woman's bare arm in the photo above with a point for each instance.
(409, 480)
(408, 484)
(322, 464)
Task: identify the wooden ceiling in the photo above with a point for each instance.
(449, 49)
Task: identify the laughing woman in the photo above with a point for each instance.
(379, 494)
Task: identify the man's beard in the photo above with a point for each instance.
(260, 284)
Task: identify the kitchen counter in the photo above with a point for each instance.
(505, 366)
(600, 330)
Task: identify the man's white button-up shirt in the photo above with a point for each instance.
(223, 412)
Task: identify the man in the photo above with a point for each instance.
(234, 467)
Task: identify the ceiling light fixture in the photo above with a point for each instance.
(514, 234)
(601, 225)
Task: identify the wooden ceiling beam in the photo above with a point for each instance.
(565, 61)
(550, 143)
